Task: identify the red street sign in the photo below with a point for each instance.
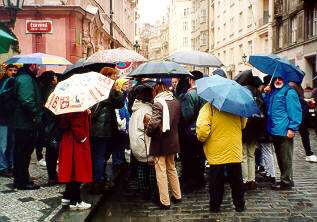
(38, 26)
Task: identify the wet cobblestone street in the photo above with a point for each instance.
(263, 204)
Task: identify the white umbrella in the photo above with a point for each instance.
(195, 58)
(116, 56)
(79, 92)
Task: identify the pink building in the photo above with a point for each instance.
(73, 29)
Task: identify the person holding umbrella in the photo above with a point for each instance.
(219, 127)
(72, 99)
(284, 112)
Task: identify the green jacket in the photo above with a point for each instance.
(104, 120)
(28, 112)
(191, 103)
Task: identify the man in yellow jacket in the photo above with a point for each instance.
(221, 134)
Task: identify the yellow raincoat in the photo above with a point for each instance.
(221, 134)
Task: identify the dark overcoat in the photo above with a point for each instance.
(168, 142)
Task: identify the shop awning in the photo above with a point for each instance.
(6, 41)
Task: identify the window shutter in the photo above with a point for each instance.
(275, 38)
(285, 34)
(300, 27)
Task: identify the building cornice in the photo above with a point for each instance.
(314, 39)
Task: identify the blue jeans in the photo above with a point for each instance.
(4, 162)
(101, 150)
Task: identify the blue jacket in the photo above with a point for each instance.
(284, 111)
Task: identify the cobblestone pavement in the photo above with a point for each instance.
(263, 204)
(35, 205)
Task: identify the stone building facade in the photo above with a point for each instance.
(200, 25)
(295, 35)
(241, 28)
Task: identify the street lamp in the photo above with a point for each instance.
(13, 6)
(136, 46)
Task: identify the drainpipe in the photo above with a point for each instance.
(111, 24)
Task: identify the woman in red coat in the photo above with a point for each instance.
(74, 158)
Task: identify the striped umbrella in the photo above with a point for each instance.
(38, 58)
(116, 56)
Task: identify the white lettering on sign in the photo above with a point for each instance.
(39, 26)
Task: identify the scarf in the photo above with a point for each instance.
(162, 98)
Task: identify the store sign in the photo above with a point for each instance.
(39, 26)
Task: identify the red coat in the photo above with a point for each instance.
(74, 155)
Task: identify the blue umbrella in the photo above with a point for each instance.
(277, 67)
(227, 95)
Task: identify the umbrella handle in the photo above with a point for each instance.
(273, 74)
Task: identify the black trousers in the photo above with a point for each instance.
(304, 134)
(51, 157)
(217, 180)
(193, 162)
(24, 147)
(72, 192)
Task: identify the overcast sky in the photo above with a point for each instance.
(152, 10)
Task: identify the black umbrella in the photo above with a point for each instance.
(160, 69)
(81, 66)
(244, 78)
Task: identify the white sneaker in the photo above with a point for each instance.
(311, 158)
(65, 202)
(80, 206)
(41, 163)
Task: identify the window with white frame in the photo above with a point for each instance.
(185, 25)
(312, 21)
(224, 31)
(232, 28)
(250, 16)
(193, 25)
(203, 39)
(293, 26)
(250, 47)
(203, 17)
(241, 52)
(185, 41)
(186, 11)
(224, 57)
(240, 21)
(231, 56)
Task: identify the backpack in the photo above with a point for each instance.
(7, 97)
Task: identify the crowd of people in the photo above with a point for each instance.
(160, 121)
